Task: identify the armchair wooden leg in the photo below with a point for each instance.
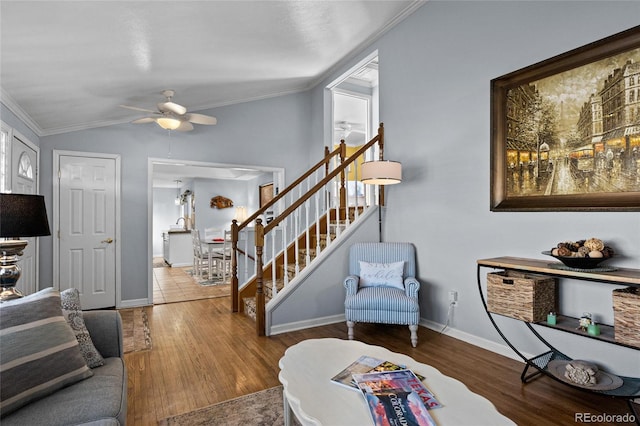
(350, 325)
(414, 335)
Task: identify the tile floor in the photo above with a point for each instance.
(177, 285)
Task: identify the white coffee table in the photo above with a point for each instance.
(307, 367)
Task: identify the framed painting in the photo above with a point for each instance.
(565, 133)
(266, 194)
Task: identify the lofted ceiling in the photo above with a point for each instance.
(68, 65)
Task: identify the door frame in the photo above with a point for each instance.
(56, 215)
(278, 180)
(11, 134)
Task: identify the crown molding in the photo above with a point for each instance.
(13, 106)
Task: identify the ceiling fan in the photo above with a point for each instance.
(172, 116)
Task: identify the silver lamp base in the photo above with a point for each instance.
(10, 271)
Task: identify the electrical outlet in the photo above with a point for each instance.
(453, 297)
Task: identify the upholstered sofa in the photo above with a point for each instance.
(98, 397)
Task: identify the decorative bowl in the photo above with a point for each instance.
(579, 262)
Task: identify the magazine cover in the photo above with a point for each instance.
(365, 364)
(402, 379)
(392, 401)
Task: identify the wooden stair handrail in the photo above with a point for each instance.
(346, 163)
(261, 230)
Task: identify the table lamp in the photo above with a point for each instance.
(21, 215)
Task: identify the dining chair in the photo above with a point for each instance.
(201, 256)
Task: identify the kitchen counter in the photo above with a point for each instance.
(177, 247)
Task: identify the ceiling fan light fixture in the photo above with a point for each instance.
(168, 123)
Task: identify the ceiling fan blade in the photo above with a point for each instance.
(137, 108)
(185, 127)
(144, 120)
(201, 119)
(172, 107)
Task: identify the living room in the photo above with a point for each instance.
(435, 69)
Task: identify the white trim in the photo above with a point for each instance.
(13, 106)
(56, 213)
(301, 325)
(135, 303)
(279, 179)
(490, 345)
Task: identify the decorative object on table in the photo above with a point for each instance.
(21, 215)
(220, 202)
(583, 374)
(593, 329)
(584, 321)
(394, 398)
(626, 315)
(527, 297)
(532, 167)
(552, 318)
(581, 254)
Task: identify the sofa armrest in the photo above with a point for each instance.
(351, 284)
(411, 287)
(105, 328)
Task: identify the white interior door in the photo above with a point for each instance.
(87, 227)
(24, 180)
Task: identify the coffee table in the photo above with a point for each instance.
(307, 367)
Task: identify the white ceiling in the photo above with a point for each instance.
(67, 65)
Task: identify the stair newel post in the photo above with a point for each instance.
(327, 159)
(343, 188)
(260, 325)
(234, 266)
(381, 156)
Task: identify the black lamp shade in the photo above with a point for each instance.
(23, 215)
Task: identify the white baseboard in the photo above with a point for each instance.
(301, 325)
(134, 303)
(498, 348)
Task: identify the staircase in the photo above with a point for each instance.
(316, 210)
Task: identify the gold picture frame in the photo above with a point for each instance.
(565, 132)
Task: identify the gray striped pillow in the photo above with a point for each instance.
(39, 353)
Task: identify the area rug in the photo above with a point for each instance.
(206, 281)
(136, 335)
(262, 408)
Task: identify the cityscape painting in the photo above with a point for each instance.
(566, 131)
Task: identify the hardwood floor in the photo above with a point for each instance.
(172, 285)
(203, 354)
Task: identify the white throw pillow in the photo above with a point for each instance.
(382, 274)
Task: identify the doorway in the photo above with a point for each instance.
(19, 165)
(86, 221)
(169, 180)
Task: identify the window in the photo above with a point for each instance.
(25, 170)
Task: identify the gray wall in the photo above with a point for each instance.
(435, 69)
(254, 133)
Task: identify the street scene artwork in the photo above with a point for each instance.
(576, 132)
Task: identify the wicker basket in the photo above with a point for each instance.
(526, 297)
(626, 316)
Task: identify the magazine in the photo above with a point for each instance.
(366, 364)
(395, 398)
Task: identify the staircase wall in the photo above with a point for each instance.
(318, 297)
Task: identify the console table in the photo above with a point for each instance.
(630, 388)
(308, 392)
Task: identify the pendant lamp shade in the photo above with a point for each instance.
(381, 172)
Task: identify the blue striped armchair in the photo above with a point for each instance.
(381, 286)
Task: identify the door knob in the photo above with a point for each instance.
(108, 241)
